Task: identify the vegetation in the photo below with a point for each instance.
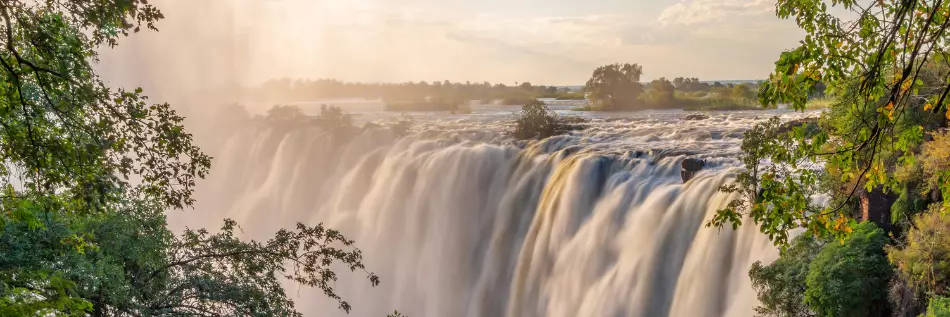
(817, 278)
(939, 307)
(781, 285)
(850, 278)
(882, 140)
(535, 121)
(924, 262)
(421, 96)
(89, 172)
(615, 86)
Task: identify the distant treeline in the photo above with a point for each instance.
(611, 87)
(439, 95)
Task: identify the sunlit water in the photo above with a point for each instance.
(459, 220)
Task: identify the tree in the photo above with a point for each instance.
(924, 261)
(660, 93)
(939, 307)
(850, 278)
(77, 236)
(742, 91)
(615, 86)
(535, 121)
(877, 62)
(818, 278)
(780, 286)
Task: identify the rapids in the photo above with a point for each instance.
(459, 220)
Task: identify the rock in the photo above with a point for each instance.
(696, 117)
(691, 166)
(875, 206)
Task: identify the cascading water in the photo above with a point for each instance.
(458, 220)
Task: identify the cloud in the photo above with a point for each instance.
(694, 12)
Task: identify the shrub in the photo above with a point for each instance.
(850, 278)
(535, 121)
(817, 278)
(333, 119)
(939, 307)
(780, 286)
(924, 261)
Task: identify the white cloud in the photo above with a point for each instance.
(693, 12)
(377, 40)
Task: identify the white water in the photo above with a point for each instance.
(458, 220)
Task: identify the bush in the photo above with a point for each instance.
(924, 261)
(332, 118)
(817, 278)
(939, 307)
(780, 286)
(535, 121)
(850, 278)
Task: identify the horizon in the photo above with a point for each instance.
(244, 43)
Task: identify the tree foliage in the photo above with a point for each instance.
(88, 173)
(939, 307)
(535, 121)
(924, 260)
(660, 93)
(615, 86)
(850, 278)
(886, 64)
(817, 278)
(780, 286)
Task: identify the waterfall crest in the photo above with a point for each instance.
(460, 226)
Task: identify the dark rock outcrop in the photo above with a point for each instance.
(691, 166)
(875, 206)
(696, 117)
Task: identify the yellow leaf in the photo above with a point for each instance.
(948, 113)
(928, 106)
(839, 44)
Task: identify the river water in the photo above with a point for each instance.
(457, 219)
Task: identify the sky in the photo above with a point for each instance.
(550, 42)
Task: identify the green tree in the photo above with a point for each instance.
(89, 172)
(535, 121)
(780, 286)
(816, 278)
(877, 61)
(660, 93)
(924, 260)
(615, 86)
(850, 278)
(742, 91)
(939, 307)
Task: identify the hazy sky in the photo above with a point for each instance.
(544, 42)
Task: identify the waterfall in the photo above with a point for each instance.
(470, 224)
